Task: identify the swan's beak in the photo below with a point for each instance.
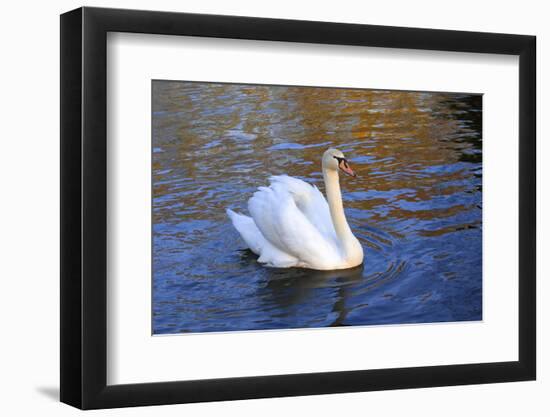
(344, 166)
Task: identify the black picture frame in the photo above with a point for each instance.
(84, 207)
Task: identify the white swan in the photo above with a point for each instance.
(293, 226)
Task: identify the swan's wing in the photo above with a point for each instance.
(269, 255)
(310, 201)
(286, 227)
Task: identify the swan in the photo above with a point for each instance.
(293, 225)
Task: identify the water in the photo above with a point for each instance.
(415, 205)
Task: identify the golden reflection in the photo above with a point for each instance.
(213, 141)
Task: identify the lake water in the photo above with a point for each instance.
(416, 205)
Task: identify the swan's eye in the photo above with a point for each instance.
(341, 160)
(344, 166)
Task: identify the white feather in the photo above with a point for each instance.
(269, 255)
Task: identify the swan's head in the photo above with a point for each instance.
(333, 159)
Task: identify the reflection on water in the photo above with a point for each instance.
(415, 205)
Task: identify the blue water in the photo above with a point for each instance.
(416, 205)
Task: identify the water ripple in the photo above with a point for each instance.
(415, 205)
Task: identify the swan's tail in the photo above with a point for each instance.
(268, 254)
(248, 231)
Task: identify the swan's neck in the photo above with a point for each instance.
(334, 198)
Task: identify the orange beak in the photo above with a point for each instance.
(344, 166)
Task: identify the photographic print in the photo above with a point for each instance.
(291, 207)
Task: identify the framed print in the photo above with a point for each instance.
(257, 208)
